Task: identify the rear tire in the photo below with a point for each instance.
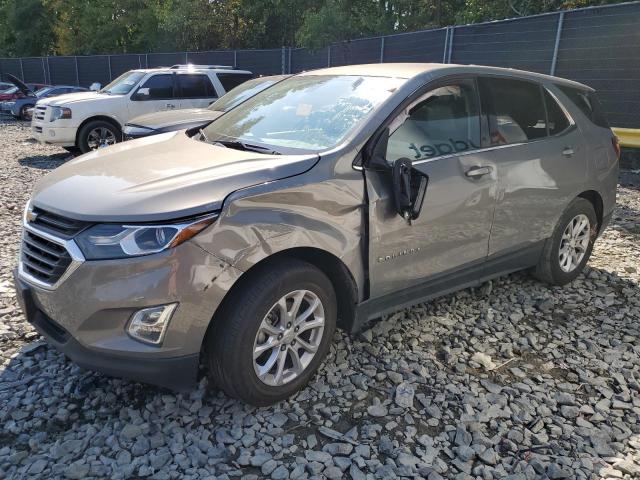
(97, 134)
(568, 250)
(257, 326)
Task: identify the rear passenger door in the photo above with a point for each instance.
(195, 90)
(539, 158)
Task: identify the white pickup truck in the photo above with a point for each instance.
(90, 120)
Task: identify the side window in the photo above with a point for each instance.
(230, 81)
(160, 87)
(588, 103)
(556, 118)
(195, 86)
(514, 110)
(442, 122)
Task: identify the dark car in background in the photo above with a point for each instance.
(22, 107)
(172, 120)
(15, 92)
(4, 86)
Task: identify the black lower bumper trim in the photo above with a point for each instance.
(175, 373)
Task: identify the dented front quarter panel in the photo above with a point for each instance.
(321, 209)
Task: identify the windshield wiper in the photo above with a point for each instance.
(238, 145)
(204, 135)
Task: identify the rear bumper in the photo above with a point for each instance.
(176, 373)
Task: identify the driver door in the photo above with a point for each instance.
(440, 133)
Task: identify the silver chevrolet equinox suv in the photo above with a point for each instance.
(327, 200)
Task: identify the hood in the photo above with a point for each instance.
(159, 120)
(78, 97)
(26, 91)
(157, 178)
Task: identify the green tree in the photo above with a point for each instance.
(26, 28)
(103, 26)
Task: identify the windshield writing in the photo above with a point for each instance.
(309, 113)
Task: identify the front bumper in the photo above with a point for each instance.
(175, 373)
(45, 132)
(86, 316)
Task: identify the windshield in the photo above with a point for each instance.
(43, 91)
(123, 84)
(239, 94)
(310, 112)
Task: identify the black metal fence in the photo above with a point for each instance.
(598, 46)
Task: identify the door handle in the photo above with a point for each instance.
(568, 151)
(170, 105)
(477, 172)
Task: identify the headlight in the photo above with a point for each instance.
(58, 113)
(105, 241)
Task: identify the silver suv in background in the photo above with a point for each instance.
(172, 120)
(327, 200)
(91, 120)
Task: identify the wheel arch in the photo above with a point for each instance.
(593, 197)
(336, 271)
(104, 118)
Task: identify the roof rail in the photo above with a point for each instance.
(210, 67)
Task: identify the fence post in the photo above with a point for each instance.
(22, 70)
(556, 47)
(382, 49)
(48, 71)
(109, 63)
(289, 61)
(235, 59)
(283, 61)
(44, 71)
(329, 55)
(77, 73)
(453, 31)
(445, 50)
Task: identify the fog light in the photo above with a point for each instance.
(150, 324)
(52, 133)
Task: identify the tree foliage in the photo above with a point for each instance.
(66, 27)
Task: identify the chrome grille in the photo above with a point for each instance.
(43, 259)
(39, 113)
(58, 225)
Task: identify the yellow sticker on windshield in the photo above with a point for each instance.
(303, 110)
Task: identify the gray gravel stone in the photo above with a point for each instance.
(418, 395)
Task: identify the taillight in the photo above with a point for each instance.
(616, 146)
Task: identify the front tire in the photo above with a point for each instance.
(23, 112)
(567, 252)
(98, 134)
(272, 332)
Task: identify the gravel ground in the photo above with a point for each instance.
(511, 380)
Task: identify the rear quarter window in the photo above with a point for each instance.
(230, 81)
(588, 103)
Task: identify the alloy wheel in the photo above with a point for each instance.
(574, 243)
(100, 137)
(288, 338)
